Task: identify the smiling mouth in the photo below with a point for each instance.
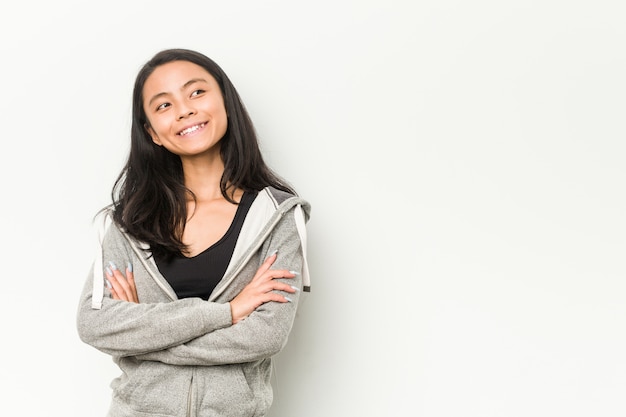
(191, 129)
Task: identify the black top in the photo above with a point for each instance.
(197, 276)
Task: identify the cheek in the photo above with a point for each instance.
(223, 121)
(220, 112)
(157, 126)
(154, 130)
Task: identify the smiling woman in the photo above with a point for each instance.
(214, 248)
(185, 109)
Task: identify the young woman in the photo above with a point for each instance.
(202, 252)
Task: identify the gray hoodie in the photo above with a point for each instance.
(184, 357)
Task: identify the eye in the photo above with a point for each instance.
(163, 106)
(197, 93)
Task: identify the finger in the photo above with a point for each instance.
(117, 292)
(273, 285)
(269, 260)
(265, 266)
(279, 298)
(289, 288)
(114, 295)
(123, 283)
(269, 281)
(279, 273)
(130, 277)
(112, 290)
(114, 287)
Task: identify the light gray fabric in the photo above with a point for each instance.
(184, 357)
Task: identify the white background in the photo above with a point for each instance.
(464, 160)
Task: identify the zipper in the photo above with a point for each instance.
(189, 397)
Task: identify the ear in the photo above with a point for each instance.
(152, 134)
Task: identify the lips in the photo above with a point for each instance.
(191, 129)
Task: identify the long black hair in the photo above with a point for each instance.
(149, 195)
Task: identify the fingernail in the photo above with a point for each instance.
(108, 270)
(295, 288)
(294, 272)
(288, 299)
(113, 266)
(274, 252)
(130, 267)
(109, 286)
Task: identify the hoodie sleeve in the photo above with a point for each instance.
(262, 334)
(121, 328)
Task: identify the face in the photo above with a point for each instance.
(185, 109)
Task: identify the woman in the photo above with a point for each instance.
(202, 255)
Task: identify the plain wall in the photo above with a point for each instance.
(464, 161)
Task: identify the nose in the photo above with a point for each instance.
(185, 112)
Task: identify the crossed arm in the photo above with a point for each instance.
(254, 325)
(259, 291)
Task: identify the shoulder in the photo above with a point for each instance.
(283, 201)
(110, 233)
(276, 195)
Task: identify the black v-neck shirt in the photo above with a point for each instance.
(197, 276)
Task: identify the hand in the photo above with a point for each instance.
(121, 287)
(260, 290)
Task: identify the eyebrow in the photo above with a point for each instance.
(187, 84)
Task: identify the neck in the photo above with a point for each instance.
(203, 176)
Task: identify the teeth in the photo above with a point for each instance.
(191, 129)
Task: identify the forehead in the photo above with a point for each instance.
(173, 76)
